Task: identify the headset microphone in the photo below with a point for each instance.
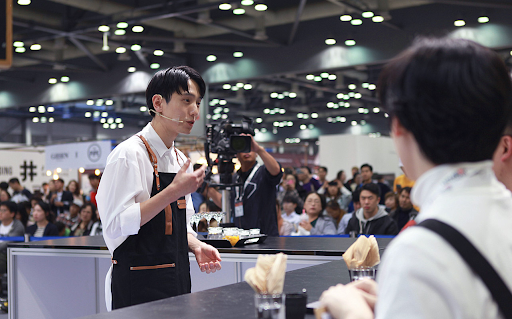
(165, 117)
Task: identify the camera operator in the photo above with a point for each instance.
(254, 201)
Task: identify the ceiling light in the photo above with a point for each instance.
(378, 19)
(226, 110)
(292, 95)
(358, 95)
(352, 86)
(311, 126)
(459, 23)
(260, 7)
(360, 110)
(96, 114)
(137, 28)
(282, 111)
(52, 80)
(35, 47)
(372, 87)
(305, 116)
(365, 85)
(329, 119)
(350, 42)
(280, 96)
(314, 115)
(356, 22)
(105, 48)
(110, 120)
(132, 69)
(18, 44)
(247, 2)
(332, 77)
(239, 11)
(226, 86)
(122, 25)
(211, 58)
(120, 32)
(51, 120)
(41, 109)
(303, 126)
(351, 94)
(339, 95)
(154, 66)
(88, 114)
(120, 125)
(353, 123)
(318, 78)
(103, 28)
(248, 86)
(35, 119)
(310, 77)
(99, 102)
(346, 17)
(113, 126)
(104, 114)
(32, 109)
(266, 111)
(64, 79)
(263, 130)
(300, 115)
(225, 6)
(483, 19)
(121, 50)
(158, 52)
(143, 108)
(238, 54)
(367, 14)
(235, 88)
(363, 122)
(240, 84)
(23, 2)
(43, 119)
(376, 110)
(259, 120)
(90, 102)
(135, 47)
(223, 102)
(105, 125)
(330, 41)
(330, 104)
(109, 102)
(20, 50)
(274, 95)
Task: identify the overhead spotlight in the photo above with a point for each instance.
(350, 42)
(103, 28)
(106, 125)
(372, 87)
(378, 19)
(120, 125)
(135, 47)
(225, 6)
(110, 120)
(143, 108)
(90, 102)
(356, 22)
(346, 17)
(35, 119)
(20, 50)
(352, 86)
(303, 126)
(274, 95)
(314, 115)
(317, 78)
(365, 85)
(358, 95)
(18, 44)
(23, 2)
(260, 7)
(226, 86)
(459, 23)
(96, 114)
(43, 119)
(324, 75)
(259, 120)
(247, 2)
(137, 28)
(120, 32)
(238, 54)
(239, 11)
(52, 80)
(332, 77)
(99, 102)
(353, 123)
(64, 79)
(211, 58)
(330, 41)
(41, 109)
(104, 114)
(223, 102)
(376, 110)
(35, 47)
(292, 95)
(109, 102)
(154, 66)
(121, 50)
(367, 14)
(122, 25)
(32, 109)
(310, 77)
(158, 52)
(132, 69)
(248, 86)
(483, 19)
(88, 114)
(240, 84)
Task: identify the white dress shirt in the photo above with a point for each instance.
(421, 275)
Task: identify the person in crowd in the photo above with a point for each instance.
(342, 195)
(4, 195)
(60, 199)
(322, 178)
(405, 211)
(339, 216)
(307, 181)
(198, 197)
(144, 198)
(4, 185)
(402, 181)
(254, 200)
(289, 211)
(62, 229)
(10, 227)
(341, 178)
(355, 171)
(384, 187)
(371, 219)
(74, 188)
(22, 214)
(289, 184)
(354, 182)
(391, 203)
(448, 100)
(94, 180)
(45, 189)
(87, 219)
(43, 218)
(20, 193)
(70, 218)
(285, 227)
(316, 224)
(97, 227)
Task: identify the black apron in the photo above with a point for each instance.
(152, 265)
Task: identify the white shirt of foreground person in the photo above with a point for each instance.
(421, 275)
(126, 182)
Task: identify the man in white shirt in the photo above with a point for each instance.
(448, 100)
(144, 198)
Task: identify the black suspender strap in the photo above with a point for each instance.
(497, 287)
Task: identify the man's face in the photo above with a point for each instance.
(14, 186)
(59, 186)
(182, 107)
(95, 182)
(289, 182)
(354, 171)
(369, 201)
(322, 173)
(246, 157)
(302, 174)
(405, 200)
(366, 174)
(5, 215)
(289, 207)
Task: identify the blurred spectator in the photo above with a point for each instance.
(74, 188)
(316, 224)
(25, 210)
(97, 228)
(87, 219)
(4, 185)
(4, 195)
(340, 216)
(290, 183)
(94, 180)
(402, 181)
(20, 193)
(355, 171)
(384, 188)
(43, 218)
(289, 212)
(343, 196)
(198, 197)
(322, 174)
(70, 218)
(10, 227)
(391, 203)
(354, 182)
(285, 228)
(341, 178)
(60, 199)
(405, 211)
(307, 181)
(63, 230)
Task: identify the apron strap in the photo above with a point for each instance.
(168, 209)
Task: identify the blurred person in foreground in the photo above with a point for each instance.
(9, 227)
(448, 100)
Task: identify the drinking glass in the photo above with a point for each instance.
(359, 273)
(269, 306)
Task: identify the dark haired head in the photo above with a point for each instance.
(212, 207)
(333, 204)
(371, 187)
(170, 81)
(405, 189)
(306, 168)
(355, 196)
(47, 210)
(93, 209)
(93, 176)
(290, 199)
(367, 165)
(22, 213)
(14, 180)
(11, 206)
(4, 185)
(338, 176)
(323, 167)
(61, 180)
(322, 199)
(453, 95)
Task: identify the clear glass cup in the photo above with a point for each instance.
(254, 231)
(269, 306)
(359, 273)
(244, 233)
(214, 232)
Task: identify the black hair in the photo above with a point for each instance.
(405, 189)
(22, 210)
(371, 187)
(4, 185)
(47, 211)
(170, 81)
(93, 176)
(290, 199)
(453, 95)
(7, 192)
(323, 167)
(93, 208)
(333, 183)
(338, 176)
(367, 165)
(308, 169)
(355, 196)
(333, 204)
(60, 180)
(14, 180)
(60, 226)
(11, 206)
(322, 199)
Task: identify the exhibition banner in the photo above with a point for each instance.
(89, 155)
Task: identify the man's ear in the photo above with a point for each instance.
(505, 148)
(157, 100)
(396, 127)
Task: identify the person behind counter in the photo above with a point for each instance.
(10, 227)
(43, 218)
(87, 220)
(448, 100)
(144, 199)
(316, 224)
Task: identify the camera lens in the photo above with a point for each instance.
(240, 144)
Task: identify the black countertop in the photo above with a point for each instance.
(320, 246)
(233, 301)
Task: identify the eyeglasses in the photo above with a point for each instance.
(313, 201)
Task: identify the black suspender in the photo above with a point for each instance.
(498, 289)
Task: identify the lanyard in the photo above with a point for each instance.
(247, 181)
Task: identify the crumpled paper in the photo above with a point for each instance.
(268, 275)
(364, 252)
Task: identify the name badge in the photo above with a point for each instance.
(239, 209)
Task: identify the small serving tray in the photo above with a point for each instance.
(224, 243)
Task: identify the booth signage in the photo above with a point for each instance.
(73, 156)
